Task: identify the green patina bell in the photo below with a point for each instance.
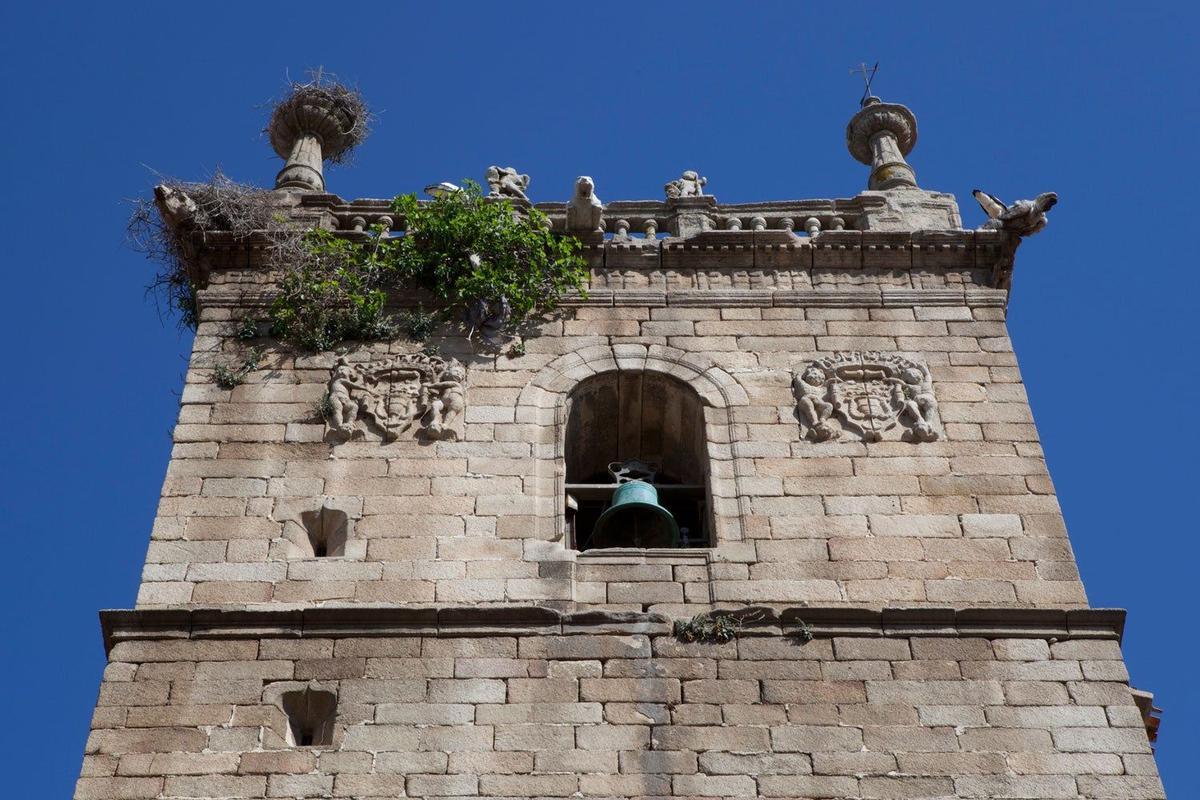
(635, 519)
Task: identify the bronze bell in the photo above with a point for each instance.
(635, 519)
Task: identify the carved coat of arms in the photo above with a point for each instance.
(868, 394)
(418, 393)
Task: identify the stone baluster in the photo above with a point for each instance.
(812, 226)
(758, 223)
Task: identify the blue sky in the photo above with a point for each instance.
(1094, 100)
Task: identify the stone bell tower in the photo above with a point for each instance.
(846, 574)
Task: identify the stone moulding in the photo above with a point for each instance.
(120, 625)
(238, 297)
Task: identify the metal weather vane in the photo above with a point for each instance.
(868, 77)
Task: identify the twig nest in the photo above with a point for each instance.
(334, 113)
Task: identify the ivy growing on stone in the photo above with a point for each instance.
(485, 262)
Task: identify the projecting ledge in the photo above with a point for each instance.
(353, 621)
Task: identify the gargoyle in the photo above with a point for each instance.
(1024, 217)
(176, 207)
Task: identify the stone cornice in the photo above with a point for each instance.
(858, 297)
(373, 621)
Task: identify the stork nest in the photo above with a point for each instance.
(325, 91)
(221, 204)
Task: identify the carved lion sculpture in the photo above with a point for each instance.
(585, 211)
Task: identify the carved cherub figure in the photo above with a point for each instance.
(913, 394)
(585, 210)
(506, 182)
(1024, 217)
(809, 387)
(690, 184)
(446, 401)
(345, 407)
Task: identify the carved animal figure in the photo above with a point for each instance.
(1024, 217)
(175, 206)
(690, 184)
(585, 211)
(506, 182)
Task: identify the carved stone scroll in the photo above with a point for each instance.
(866, 395)
(424, 395)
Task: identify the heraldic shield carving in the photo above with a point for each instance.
(866, 394)
(422, 394)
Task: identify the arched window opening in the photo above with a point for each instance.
(310, 715)
(637, 427)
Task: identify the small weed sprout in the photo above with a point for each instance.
(228, 377)
(248, 329)
(323, 408)
(718, 628)
(804, 634)
(517, 349)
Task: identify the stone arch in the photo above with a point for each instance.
(542, 413)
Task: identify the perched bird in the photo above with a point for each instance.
(489, 318)
(1024, 217)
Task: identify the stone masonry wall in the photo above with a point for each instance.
(623, 711)
(968, 519)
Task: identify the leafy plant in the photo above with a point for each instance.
(467, 251)
(333, 291)
(704, 628)
(323, 408)
(804, 633)
(418, 324)
(248, 329)
(517, 349)
(228, 377)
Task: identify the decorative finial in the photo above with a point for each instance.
(867, 98)
(881, 135)
(318, 121)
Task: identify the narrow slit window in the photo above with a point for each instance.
(326, 532)
(310, 714)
